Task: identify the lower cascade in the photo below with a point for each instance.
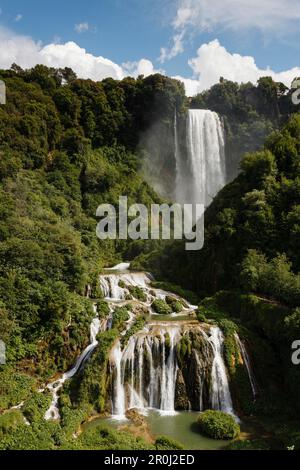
(150, 372)
(171, 364)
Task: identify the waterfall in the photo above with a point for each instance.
(178, 160)
(112, 285)
(199, 366)
(220, 393)
(144, 374)
(118, 391)
(202, 173)
(119, 267)
(53, 413)
(169, 372)
(247, 362)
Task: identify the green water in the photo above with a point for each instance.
(182, 428)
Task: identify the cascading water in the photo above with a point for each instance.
(167, 366)
(247, 362)
(53, 412)
(202, 173)
(112, 285)
(144, 374)
(220, 392)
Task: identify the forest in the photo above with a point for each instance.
(68, 145)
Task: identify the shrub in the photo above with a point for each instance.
(10, 421)
(36, 406)
(175, 304)
(161, 307)
(201, 316)
(103, 309)
(137, 293)
(165, 443)
(120, 316)
(218, 425)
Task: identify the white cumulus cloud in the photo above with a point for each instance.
(214, 61)
(27, 53)
(84, 64)
(142, 67)
(192, 87)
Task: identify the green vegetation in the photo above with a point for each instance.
(250, 113)
(138, 325)
(175, 304)
(15, 387)
(36, 406)
(165, 443)
(69, 145)
(255, 444)
(52, 436)
(273, 279)
(103, 309)
(248, 270)
(218, 425)
(161, 307)
(137, 293)
(66, 146)
(120, 317)
(10, 421)
(183, 293)
(91, 385)
(252, 229)
(105, 438)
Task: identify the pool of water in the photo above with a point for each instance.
(183, 429)
(180, 427)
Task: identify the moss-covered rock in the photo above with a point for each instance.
(181, 396)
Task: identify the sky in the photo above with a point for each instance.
(197, 41)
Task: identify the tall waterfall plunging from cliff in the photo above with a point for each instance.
(201, 172)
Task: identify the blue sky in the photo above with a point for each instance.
(130, 30)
